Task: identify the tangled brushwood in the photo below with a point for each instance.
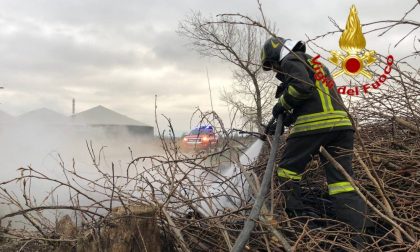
(160, 206)
(180, 201)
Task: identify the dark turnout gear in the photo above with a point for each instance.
(316, 107)
(319, 119)
(299, 151)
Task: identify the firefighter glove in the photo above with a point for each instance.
(278, 109)
(288, 119)
(270, 129)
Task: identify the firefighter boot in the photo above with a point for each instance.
(294, 205)
(292, 194)
(351, 209)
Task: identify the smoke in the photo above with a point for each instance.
(95, 153)
(46, 147)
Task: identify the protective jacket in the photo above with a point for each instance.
(316, 107)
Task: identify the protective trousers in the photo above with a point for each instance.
(349, 207)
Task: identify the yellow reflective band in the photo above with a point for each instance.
(321, 96)
(340, 187)
(296, 94)
(324, 94)
(284, 103)
(341, 112)
(284, 173)
(293, 92)
(329, 99)
(321, 125)
(321, 116)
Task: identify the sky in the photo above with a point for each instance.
(121, 54)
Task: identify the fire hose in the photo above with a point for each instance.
(265, 185)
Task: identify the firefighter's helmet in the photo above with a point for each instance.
(276, 48)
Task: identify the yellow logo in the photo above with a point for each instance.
(274, 45)
(353, 43)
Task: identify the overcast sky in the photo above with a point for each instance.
(120, 54)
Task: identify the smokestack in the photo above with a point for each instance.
(73, 107)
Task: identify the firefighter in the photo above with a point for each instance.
(319, 119)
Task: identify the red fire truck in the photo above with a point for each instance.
(200, 138)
